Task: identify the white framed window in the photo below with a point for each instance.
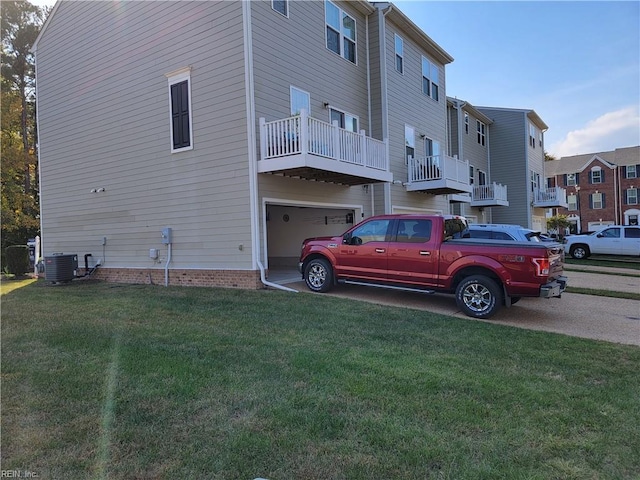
(632, 196)
(281, 6)
(430, 79)
(472, 178)
(399, 47)
(432, 148)
(466, 123)
(299, 100)
(180, 110)
(572, 200)
(631, 171)
(535, 180)
(481, 131)
(340, 31)
(482, 177)
(345, 120)
(409, 142)
(596, 175)
(532, 135)
(571, 180)
(597, 202)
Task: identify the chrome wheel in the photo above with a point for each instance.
(318, 275)
(479, 296)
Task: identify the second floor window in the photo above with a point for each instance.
(572, 200)
(341, 32)
(430, 79)
(482, 178)
(399, 54)
(597, 201)
(480, 127)
(345, 120)
(299, 100)
(471, 175)
(466, 123)
(409, 142)
(631, 196)
(180, 105)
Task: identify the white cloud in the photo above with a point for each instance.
(612, 130)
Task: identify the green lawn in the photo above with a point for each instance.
(147, 382)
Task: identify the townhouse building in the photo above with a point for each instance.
(199, 143)
(602, 188)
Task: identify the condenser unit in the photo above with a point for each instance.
(60, 267)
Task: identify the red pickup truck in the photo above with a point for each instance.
(429, 253)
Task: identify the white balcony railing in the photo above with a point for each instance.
(438, 167)
(550, 197)
(493, 192)
(304, 135)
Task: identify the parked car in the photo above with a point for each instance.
(503, 232)
(612, 240)
(429, 253)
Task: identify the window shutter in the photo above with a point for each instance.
(626, 197)
(577, 183)
(602, 176)
(604, 205)
(180, 114)
(565, 179)
(590, 199)
(590, 179)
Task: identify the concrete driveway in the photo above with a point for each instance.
(587, 316)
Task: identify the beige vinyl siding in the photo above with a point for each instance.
(104, 122)
(292, 52)
(408, 105)
(476, 153)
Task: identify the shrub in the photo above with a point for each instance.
(17, 259)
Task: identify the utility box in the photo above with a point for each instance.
(60, 267)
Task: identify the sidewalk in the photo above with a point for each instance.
(603, 278)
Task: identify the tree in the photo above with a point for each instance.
(20, 25)
(558, 224)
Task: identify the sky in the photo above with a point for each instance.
(575, 63)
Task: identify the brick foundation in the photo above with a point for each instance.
(247, 279)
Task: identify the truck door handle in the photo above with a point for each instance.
(424, 252)
(380, 250)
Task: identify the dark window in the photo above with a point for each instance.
(181, 129)
(632, 233)
(414, 231)
(280, 6)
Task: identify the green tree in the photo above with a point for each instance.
(20, 24)
(558, 224)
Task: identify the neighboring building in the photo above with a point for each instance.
(200, 142)
(469, 140)
(603, 188)
(518, 161)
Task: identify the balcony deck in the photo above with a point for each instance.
(304, 147)
(550, 198)
(493, 195)
(438, 175)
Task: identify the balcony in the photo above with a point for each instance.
(307, 148)
(550, 197)
(493, 195)
(438, 175)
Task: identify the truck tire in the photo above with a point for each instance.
(478, 296)
(318, 275)
(579, 252)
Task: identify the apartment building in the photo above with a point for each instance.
(199, 143)
(602, 188)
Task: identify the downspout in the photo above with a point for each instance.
(382, 16)
(252, 151)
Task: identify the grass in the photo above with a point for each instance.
(630, 263)
(110, 381)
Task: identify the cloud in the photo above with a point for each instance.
(617, 129)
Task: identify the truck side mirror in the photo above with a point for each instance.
(346, 240)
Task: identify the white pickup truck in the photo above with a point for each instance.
(612, 240)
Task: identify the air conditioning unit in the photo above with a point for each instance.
(60, 267)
